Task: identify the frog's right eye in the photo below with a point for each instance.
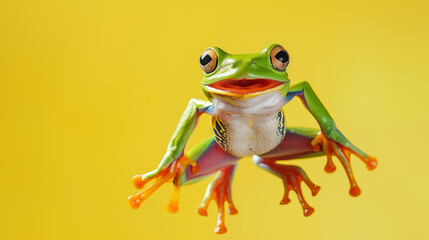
(208, 61)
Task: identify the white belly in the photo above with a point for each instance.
(253, 136)
(252, 125)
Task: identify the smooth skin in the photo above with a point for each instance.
(241, 78)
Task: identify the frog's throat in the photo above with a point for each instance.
(227, 107)
(243, 95)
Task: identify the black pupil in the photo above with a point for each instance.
(205, 59)
(282, 56)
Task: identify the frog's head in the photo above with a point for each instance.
(244, 75)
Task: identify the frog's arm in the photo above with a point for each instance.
(304, 91)
(183, 131)
(331, 140)
(174, 163)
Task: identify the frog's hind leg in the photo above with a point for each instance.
(296, 144)
(219, 190)
(211, 158)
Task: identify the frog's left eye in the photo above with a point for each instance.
(208, 61)
(279, 58)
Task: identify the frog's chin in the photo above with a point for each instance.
(244, 88)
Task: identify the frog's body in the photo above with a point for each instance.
(247, 93)
(251, 126)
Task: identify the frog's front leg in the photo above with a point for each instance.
(332, 148)
(331, 141)
(174, 163)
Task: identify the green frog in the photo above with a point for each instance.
(246, 94)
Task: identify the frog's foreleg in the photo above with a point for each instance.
(211, 158)
(173, 164)
(331, 141)
(296, 144)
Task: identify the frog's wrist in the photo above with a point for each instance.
(168, 158)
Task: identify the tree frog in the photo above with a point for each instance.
(246, 94)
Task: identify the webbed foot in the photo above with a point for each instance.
(219, 190)
(292, 177)
(173, 173)
(333, 148)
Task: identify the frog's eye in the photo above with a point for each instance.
(279, 58)
(208, 61)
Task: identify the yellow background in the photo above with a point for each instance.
(91, 91)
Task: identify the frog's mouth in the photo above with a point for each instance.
(252, 87)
